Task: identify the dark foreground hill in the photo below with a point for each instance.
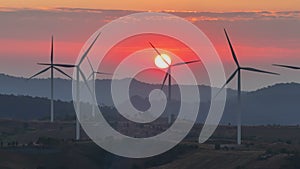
(32, 108)
(44, 145)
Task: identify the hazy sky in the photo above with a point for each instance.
(270, 34)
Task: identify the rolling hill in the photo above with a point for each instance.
(27, 100)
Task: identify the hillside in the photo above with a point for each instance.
(277, 104)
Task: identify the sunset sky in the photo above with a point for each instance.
(262, 32)
(183, 5)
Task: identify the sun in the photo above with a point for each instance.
(162, 61)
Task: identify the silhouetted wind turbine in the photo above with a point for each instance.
(78, 74)
(168, 75)
(238, 72)
(52, 67)
(93, 76)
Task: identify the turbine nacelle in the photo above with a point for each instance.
(94, 71)
(168, 73)
(239, 68)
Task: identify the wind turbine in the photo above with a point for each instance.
(52, 67)
(168, 75)
(93, 76)
(78, 74)
(238, 73)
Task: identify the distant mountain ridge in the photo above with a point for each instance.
(277, 104)
(63, 88)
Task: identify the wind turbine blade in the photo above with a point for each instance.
(165, 78)
(44, 64)
(159, 53)
(58, 65)
(51, 57)
(59, 70)
(155, 48)
(90, 64)
(287, 66)
(64, 65)
(185, 63)
(258, 70)
(85, 82)
(103, 73)
(88, 50)
(42, 71)
(232, 50)
(90, 75)
(227, 81)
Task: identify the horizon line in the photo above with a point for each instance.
(204, 85)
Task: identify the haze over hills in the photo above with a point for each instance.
(277, 104)
(63, 88)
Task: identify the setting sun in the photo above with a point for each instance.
(162, 61)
